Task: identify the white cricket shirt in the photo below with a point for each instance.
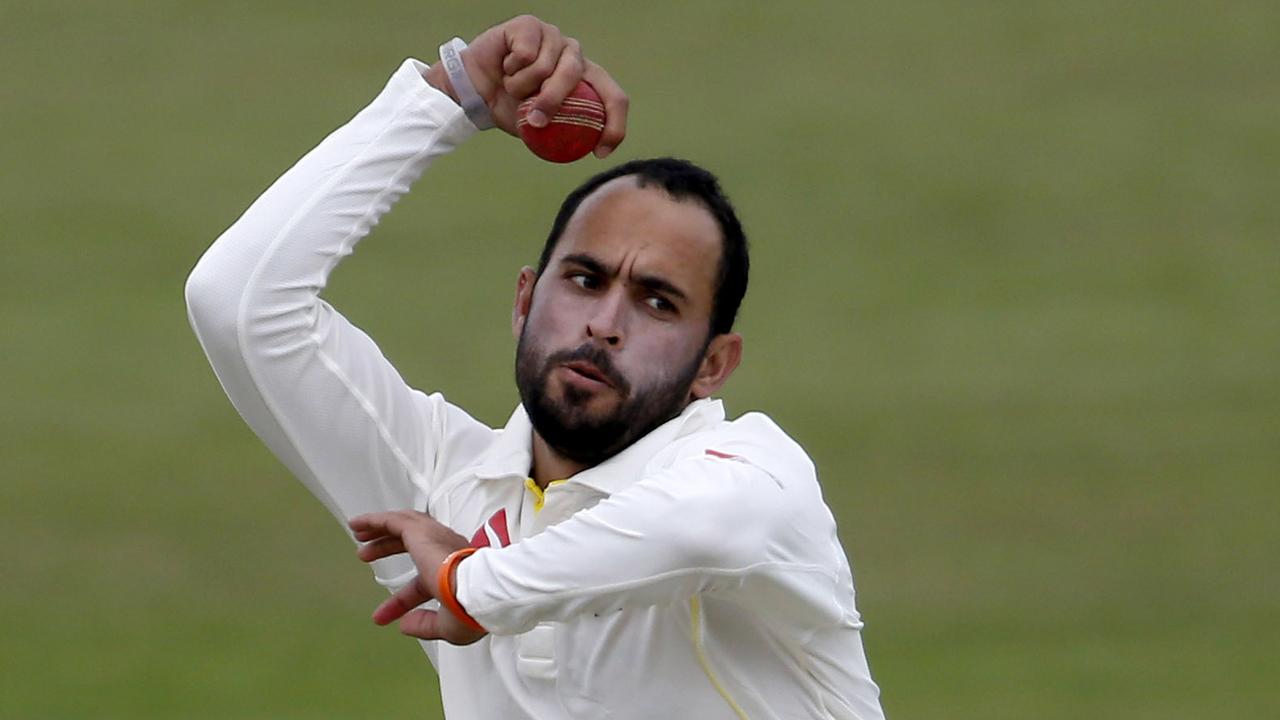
(697, 574)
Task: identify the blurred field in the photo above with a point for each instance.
(1016, 287)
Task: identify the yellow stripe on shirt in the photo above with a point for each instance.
(695, 614)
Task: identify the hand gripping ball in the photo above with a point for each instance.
(572, 133)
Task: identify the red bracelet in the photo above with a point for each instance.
(444, 581)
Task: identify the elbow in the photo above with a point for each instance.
(211, 302)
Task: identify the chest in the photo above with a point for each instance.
(501, 511)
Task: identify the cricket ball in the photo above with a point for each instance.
(572, 133)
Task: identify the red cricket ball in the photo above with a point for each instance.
(572, 133)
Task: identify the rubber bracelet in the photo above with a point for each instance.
(444, 581)
(473, 105)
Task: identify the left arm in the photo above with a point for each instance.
(705, 525)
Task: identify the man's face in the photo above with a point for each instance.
(619, 321)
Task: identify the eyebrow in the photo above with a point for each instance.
(651, 282)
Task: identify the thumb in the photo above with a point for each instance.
(405, 599)
(422, 624)
(438, 625)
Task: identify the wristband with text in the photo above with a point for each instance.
(448, 598)
(472, 104)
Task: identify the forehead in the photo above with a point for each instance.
(644, 230)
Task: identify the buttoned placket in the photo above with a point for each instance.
(540, 509)
(535, 649)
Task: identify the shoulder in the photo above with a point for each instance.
(750, 476)
(755, 439)
(461, 441)
(752, 467)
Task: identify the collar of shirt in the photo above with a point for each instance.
(512, 453)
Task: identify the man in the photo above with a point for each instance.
(639, 555)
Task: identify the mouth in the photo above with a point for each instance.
(587, 370)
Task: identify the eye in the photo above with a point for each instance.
(584, 280)
(659, 303)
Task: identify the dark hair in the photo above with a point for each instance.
(681, 180)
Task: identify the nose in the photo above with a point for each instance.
(607, 319)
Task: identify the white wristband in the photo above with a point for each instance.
(472, 104)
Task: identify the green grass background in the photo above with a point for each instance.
(1016, 287)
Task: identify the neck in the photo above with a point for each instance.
(550, 465)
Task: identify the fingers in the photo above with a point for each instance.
(523, 35)
(616, 104)
(403, 601)
(549, 76)
(527, 65)
(383, 534)
(380, 548)
(528, 58)
(555, 88)
(372, 526)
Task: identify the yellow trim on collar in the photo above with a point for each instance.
(539, 495)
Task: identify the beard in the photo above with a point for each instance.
(568, 425)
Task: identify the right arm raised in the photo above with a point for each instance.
(314, 387)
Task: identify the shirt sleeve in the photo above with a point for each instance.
(312, 386)
(705, 525)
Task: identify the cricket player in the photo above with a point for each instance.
(620, 549)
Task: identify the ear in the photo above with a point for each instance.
(524, 299)
(721, 359)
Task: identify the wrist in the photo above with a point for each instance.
(446, 583)
(464, 90)
(437, 78)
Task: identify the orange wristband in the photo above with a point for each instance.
(444, 581)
